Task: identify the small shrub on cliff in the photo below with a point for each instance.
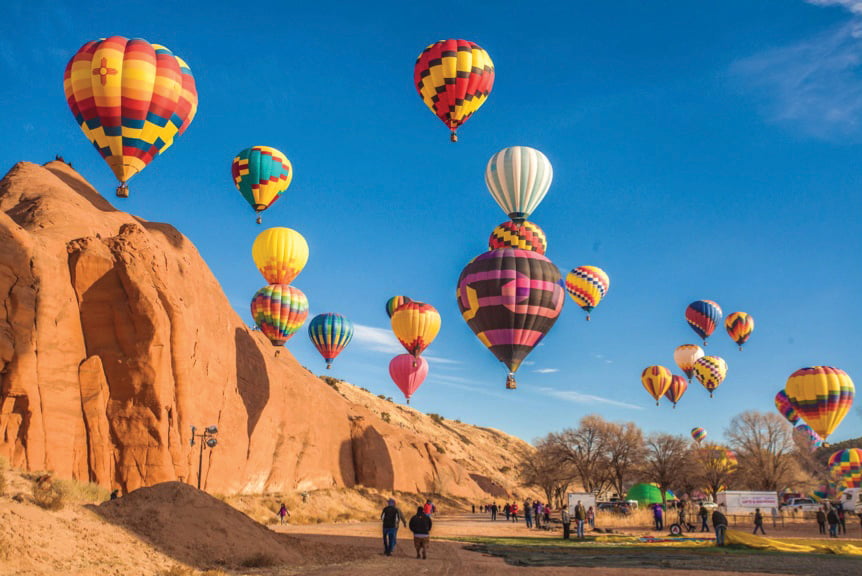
(79, 492)
(439, 448)
(259, 561)
(46, 494)
(436, 417)
(385, 417)
(332, 382)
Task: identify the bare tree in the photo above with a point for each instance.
(665, 460)
(712, 468)
(765, 448)
(545, 471)
(584, 448)
(624, 446)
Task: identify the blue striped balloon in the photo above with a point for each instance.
(330, 333)
(518, 178)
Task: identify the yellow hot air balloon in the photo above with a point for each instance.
(280, 254)
(415, 324)
(822, 396)
(710, 371)
(685, 356)
(656, 380)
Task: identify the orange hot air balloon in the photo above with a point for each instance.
(415, 324)
(656, 380)
(739, 327)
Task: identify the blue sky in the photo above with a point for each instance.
(699, 152)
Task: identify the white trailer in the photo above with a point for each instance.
(851, 500)
(586, 499)
(745, 502)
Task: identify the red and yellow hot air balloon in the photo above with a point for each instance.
(685, 356)
(822, 396)
(280, 254)
(677, 388)
(408, 373)
(415, 324)
(587, 285)
(454, 78)
(522, 235)
(279, 311)
(131, 99)
(656, 381)
(739, 327)
(710, 371)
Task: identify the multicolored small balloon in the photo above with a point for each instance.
(279, 310)
(587, 285)
(677, 388)
(408, 373)
(394, 303)
(698, 434)
(710, 371)
(685, 356)
(656, 380)
(524, 236)
(330, 333)
(703, 316)
(261, 174)
(845, 466)
(785, 408)
(739, 327)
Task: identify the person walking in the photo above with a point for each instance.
(390, 516)
(507, 510)
(282, 512)
(821, 520)
(591, 518)
(704, 527)
(494, 511)
(420, 525)
(514, 512)
(567, 523)
(832, 519)
(658, 516)
(528, 513)
(719, 522)
(758, 521)
(580, 518)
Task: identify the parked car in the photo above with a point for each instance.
(801, 505)
(619, 508)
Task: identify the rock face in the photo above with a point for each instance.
(115, 338)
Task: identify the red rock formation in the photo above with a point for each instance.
(105, 367)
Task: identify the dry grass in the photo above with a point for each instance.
(47, 494)
(180, 570)
(80, 493)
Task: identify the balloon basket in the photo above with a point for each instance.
(122, 191)
(510, 382)
(740, 348)
(453, 137)
(588, 317)
(258, 220)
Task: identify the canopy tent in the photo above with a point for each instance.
(647, 494)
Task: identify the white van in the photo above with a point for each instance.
(851, 500)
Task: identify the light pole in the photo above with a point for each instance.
(207, 438)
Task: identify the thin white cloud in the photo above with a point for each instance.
(579, 398)
(376, 339)
(814, 85)
(546, 370)
(439, 360)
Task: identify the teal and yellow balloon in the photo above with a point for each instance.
(330, 333)
(279, 310)
(261, 174)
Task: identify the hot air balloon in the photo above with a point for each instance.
(808, 436)
(510, 299)
(454, 78)
(524, 235)
(518, 178)
(785, 408)
(131, 99)
(677, 388)
(408, 373)
(703, 316)
(279, 311)
(393, 303)
(698, 434)
(656, 380)
(685, 356)
(261, 174)
(710, 372)
(280, 254)
(822, 396)
(330, 333)
(845, 466)
(415, 324)
(739, 327)
(587, 285)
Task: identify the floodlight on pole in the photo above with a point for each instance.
(207, 439)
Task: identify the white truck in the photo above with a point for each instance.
(586, 499)
(745, 502)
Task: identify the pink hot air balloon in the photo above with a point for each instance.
(408, 372)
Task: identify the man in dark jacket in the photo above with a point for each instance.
(420, 525)
(719, 522)
(821, 520)
(758, 522)
(704, 526)
(390, 516)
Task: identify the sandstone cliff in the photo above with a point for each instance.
(115, 338)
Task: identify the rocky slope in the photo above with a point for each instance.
(115, 338)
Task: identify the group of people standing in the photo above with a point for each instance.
(834, 516)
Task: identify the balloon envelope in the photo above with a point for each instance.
(510, 299)
(280, 254)
(453, 78)
(587, 285)
(656, 380)
(698, 434)
(279, 311)
(131, 99)
(408, 373)
(785, 407)
(739, 327)
(394, 303)
(710, 371)
(703, 316)
(261, 174)
(677, 388)
(822, 396)
(524, 236)
(415, 324)
(808, 436)
(518, 178)
(685, 356)
(330, 333)
(845, 466)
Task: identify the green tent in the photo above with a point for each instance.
(647, 494)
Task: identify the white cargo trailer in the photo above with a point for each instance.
(745, 502)
(586, 499)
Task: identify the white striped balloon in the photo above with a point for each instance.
(518, 178)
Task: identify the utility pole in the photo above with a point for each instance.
(207, 439)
